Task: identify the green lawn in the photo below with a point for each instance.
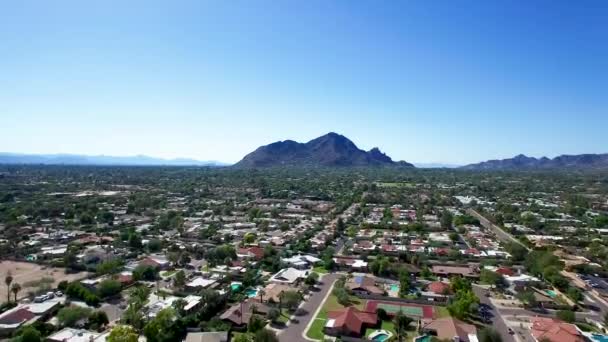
(331, 304)
(441, 312)
(284, 317)
(316, 329)
(320, 270)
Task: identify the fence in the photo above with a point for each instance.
(435, 302)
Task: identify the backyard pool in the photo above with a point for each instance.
(599, 338)
(551, 293)
(395, 287)
(235, 286)
(251, 293)
(380, 335)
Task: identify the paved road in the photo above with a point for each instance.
(501, 234)
(295, 330)
(497, 322)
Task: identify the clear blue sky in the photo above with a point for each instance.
(426, 81)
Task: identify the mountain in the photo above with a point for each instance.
(330, 150)
(522, 162)
(75, 159)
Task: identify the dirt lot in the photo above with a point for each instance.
(24, 272)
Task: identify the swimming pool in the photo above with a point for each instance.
(551, 293)
(235, 286)
(251, 292)
(599, 338)
(380, 335)
(394, 287)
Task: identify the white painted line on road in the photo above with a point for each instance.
(317, 312)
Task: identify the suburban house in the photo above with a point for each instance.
(77, 335)
(240, 313)
(554, 330)
(255, 253)
(289, 276)
(301, 262)
(439, 288)
(447, 271)
(363, 285)
(273, 291)
(158, 261)
(349, 322)
(25, 314)
(350, 264)
(452, 329)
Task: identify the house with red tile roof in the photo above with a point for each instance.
(253, 252)
(439, 287)
(349, 322)
(554, 330)
(451, 329)
(505, 271)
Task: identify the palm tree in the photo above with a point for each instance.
(15, 290)
(8, 280)
(262, 293)
(401, 323)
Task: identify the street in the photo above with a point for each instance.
(296, 329)
(497, 322)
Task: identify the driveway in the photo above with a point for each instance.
(296, 329)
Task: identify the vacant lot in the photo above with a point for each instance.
(28, 274)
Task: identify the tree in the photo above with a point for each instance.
(401, 323)
(273, 314)
(71, 315)
(291, 299)
(255, 323)
(489, 335)
(29, 334)
(446, 220)
(261, 293)
(566, 316)
(342, 296)
(249, 238)
(491, 278)
(404, 284)
(15, 290)
(98, 320)
(528, 299)
(575, 294)
(265, 335)
(109, 287)
(154, 245)
(122, 333)
(159, 328)
(145, 272)
(109, 267)
(8, 280)
(312, 279)
(179, 279)
(382, 314)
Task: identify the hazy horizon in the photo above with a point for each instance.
(426, 82)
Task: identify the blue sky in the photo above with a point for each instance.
(426, 81)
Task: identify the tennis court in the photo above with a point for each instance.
(411, 310)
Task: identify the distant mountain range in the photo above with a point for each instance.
(75, 159)
(522, 162)
(330, 150)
